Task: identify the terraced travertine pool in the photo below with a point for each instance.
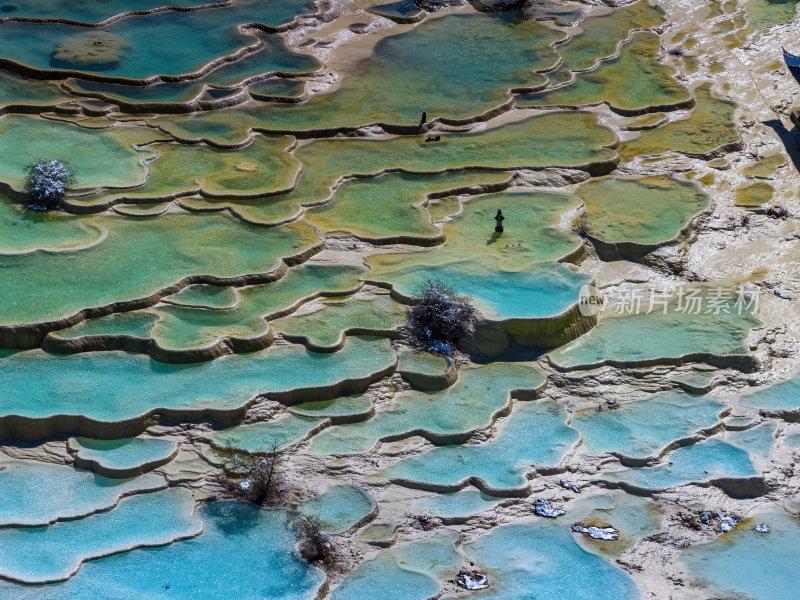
(261, 188)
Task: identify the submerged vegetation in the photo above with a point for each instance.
(441, 319)
(314, 544)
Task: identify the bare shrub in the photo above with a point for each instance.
(441, 318)
(254, 477)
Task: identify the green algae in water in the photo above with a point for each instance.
(285, 88)
(261, 168)
(161, 92)
(471, 235)
(554, 139)
(414, 568)
(709, 126)
(39, 493)
(747, 564)
(378, 532)
(124, 454)
(754, 195)
(641, 428)
(136, 324)
(23, 230)
(15, 90)
(97, 157)
(504, 52)
(644, 211)
(183, 327)
(766, 13)
(765, 167)
(56, 46)
(632, 81)
(469, 403)
(52, 286)
(339, 508)
(244, 534)
(705, 461)
(695, 381)
(202, 295)
(533, 435)
(114, 386)
(389, 205)
(541, 560)
(647, 337)
(55, 552)
(425, 363)
(601, 34)
(326, 327)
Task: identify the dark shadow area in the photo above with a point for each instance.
(790, 139)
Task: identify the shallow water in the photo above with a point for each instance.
(728, 567)
(534, 435)
(185, 186)
(541, 558)
(239, 531)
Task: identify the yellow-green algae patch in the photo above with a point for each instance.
(105, 157)
(765, 167)
(566, 139)
(504, 53)
(263, 167)
(389, 206)
(643, 211)
(708, 126)
(23, 231)
(205, 296)
(633, 81)
(152, 255)
(754, 195)
(181, 327)
(135, 324)
(347, 407)
(601, 34)
(766, 13)
(326, 327)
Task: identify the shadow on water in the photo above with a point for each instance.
(790, 139)
(513, 353)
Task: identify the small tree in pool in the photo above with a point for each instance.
(441, 318)
(47, 183)
(254, 477)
